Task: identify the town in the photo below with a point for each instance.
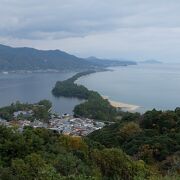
(65, 124)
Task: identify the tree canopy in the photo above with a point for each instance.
(153, 137)
(42, 154)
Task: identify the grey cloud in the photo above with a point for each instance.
(63, 18)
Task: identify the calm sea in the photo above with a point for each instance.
(149, 86)
(33, 88)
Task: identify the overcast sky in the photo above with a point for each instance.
(131, 29)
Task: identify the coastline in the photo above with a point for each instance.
(123, 106)
(116, 104)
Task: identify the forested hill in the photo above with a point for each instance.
(33, 59)
(153, 137)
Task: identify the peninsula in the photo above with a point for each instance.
(95, 106)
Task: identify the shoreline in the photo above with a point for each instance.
(123, 106)
(117, 104)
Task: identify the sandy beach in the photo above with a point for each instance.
(124, 106)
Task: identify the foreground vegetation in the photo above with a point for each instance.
(136, 147)
(42, 154)
(153, 137)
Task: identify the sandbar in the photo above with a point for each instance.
(121, 105)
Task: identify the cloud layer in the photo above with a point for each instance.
(135, 29)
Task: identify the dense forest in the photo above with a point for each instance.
(42, 154)
(153, 137)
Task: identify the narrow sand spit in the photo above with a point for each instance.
(124, 106)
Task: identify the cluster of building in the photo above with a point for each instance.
(65, 124)
(23, 113)
(75, 126)
(4, 122)
(23, 123)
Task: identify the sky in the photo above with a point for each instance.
(116, 29)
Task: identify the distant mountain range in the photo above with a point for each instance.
(32, 59)
(110, 62)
